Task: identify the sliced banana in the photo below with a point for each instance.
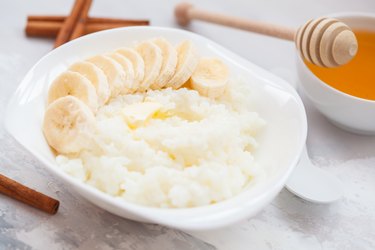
(68, 125)
(127, 66)
(153, 60)
(96, 77)
(210, 77)
(168, 67)
(114, 72)
(187, 61)
(138, 64)
(74, 84)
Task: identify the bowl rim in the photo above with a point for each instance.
(175, 214)
(306, 70)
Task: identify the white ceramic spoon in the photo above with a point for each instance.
(313, 184)
(308, 181)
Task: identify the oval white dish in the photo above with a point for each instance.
(281, 143)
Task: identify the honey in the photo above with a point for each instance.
(357, 78)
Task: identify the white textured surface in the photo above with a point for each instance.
(288, 223)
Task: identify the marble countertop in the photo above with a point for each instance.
(287, 223)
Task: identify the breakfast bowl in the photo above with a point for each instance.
(346, 111)
(280, 142)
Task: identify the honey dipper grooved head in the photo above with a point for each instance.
(326, 42)
(181, 13)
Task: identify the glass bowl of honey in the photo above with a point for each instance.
(346, 94)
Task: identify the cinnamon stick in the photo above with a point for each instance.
(118, 20)
(42, 28)
(51, 28)
(94, 27)
(79, 29)
(32, 18)
(28, 196)
(61, 19)
(69, 23)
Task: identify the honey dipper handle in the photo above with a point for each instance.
(185, 12)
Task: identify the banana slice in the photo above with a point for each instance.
(153, 60)
(97, 78)
(114, 72)
(74, 84)
(138, 64)
(187, 61)
(127, 66)
(68, 125)
(169, 63)
(210, 77)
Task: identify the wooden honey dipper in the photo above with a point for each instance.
(324, 41)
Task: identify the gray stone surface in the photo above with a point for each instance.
(287, 223)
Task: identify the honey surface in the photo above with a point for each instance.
(356, 78)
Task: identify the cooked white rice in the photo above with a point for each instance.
(194, 151)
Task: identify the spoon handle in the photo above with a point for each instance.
(312, 183)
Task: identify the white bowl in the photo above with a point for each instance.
(281, 143)
(348, 112)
